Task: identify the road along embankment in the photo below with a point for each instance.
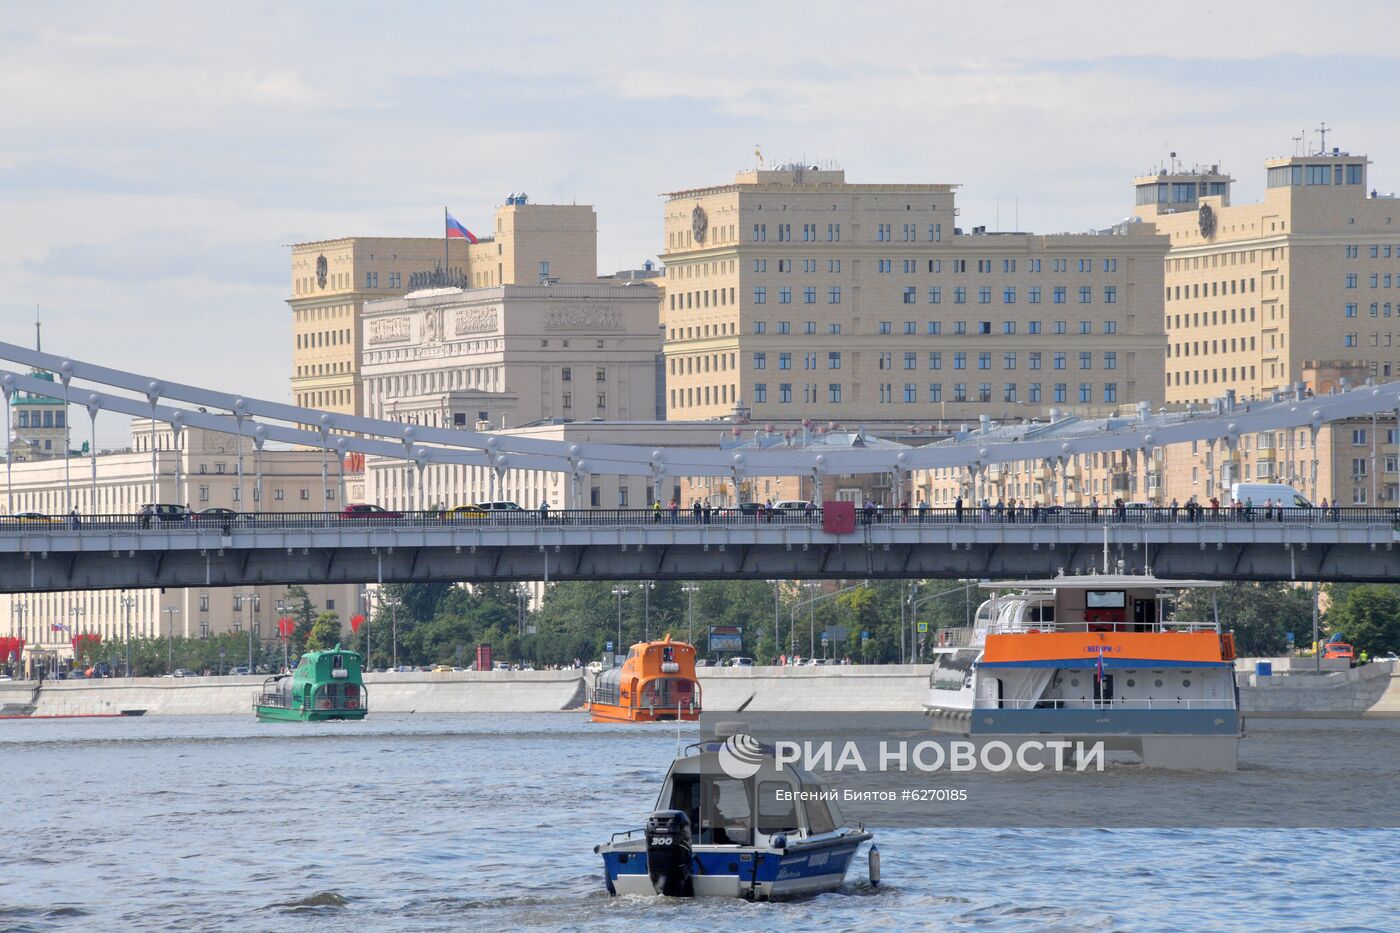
(457, 692)
(1371, 691)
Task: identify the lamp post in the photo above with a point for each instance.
(170, 613)
(74, 614)
(690, 589)
(811, 605)
(646, 586)
(251, 598)
(128, 602)
(914, 604)
(20, 609)
(619, 592)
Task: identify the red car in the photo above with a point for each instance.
(368, 511)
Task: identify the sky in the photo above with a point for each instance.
(156, 159)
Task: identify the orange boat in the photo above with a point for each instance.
(656, 683)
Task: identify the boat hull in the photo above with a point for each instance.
(745, 872)
(604, 712)
(282, 714)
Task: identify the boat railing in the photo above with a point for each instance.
(1129, 703)
(960, 637)
(278, 699)
(1023, 628)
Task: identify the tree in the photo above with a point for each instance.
(1368, 618)
(303, 614)
(1260, 614)
(325, 632)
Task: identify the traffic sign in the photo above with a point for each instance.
(923, 627)
(608, 647)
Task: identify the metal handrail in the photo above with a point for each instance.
(1013, 628)
(1144, 703)
(640, 518)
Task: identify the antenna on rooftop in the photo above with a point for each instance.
(1322, 138)
(38, 332)
(1298, 143)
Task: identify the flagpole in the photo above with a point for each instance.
(445, 244)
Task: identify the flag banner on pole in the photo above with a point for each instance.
(58, 627)
(455, 230)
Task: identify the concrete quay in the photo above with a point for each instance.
(1369, 691)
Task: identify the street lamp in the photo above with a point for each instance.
(252, 599)
(170, 613)
(646, 586)
(21, 609)
(690, 589)
(619, 592)
(74, 613)
(127, 603)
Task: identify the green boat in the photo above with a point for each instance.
(325, 685)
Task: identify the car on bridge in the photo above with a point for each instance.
(163, 513)
(499, 506)
(463, 513)
(217, 514)
(38, 517)
(367, 511)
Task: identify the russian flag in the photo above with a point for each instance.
(455, 230)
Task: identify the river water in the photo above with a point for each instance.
(488, 822)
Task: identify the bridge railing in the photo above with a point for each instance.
(37, 524)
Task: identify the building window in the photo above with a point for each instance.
(960, 391)
(1086, 360)
(1033, 392)
(1033, 295)
(760, 295)
(1008, 361)
(1058, 296)
(760, 361)
(959, 295)
(960, 360)
(984, 294)
(1110, 392)
(833, 392)
(1110, 360)
(760, 392)
(785, 392)
(911, 361)
(886, 327)
(1059, 360)
(909, 294)
(203, 493)
(204, 602)
(785, 295)
(784, 327)
(760, 327)
(984, 361)
(935, 392)
(1060, 388)
(1086, 392)
(1033, 360)
(785, 361)
(833, 360)
(833, 295)
(809, 295)
(1008, 294)
(935, 359)
(602, 374)
(911, 392)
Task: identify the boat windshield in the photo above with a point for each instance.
(669, 693)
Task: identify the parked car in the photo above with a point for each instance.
(182, 672)
(1259, 493)
(240, 671)
(365, 510)
(741, 662)
(442, 668)
(784, 505)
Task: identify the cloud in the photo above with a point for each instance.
(155, 158)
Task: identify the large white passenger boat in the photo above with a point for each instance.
(1094, 657)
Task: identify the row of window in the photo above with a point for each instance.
(959, 360)
(1376, 280)
(1377, 251)
(1210, 289)
(1195, 377)
(958, 392)
(1211, 318)
(45, 419)
(1377, 309)
(391, 280)
(705, 298)
(1202, 347)
(324, 338)
(1034, 294)
(956, 328)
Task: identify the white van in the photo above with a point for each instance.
(1260, 493)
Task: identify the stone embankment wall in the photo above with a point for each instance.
(1370, 690)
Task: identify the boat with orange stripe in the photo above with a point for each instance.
(656, 683)
(1097, 657)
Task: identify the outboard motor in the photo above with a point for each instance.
(668, 853)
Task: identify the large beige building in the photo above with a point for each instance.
(508, 355)
(332, 280)
(1253, 291)
(791, 293)
(202, 469)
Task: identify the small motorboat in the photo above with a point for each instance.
(731, 821)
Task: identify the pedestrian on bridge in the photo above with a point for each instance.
(958, 509)
(675, 508)
(74, 521)
(656, 511)
(544, 511)
(923, 509)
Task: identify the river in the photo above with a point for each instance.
(488, 822)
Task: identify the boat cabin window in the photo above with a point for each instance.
(818, 816)
(718, 808)
(1104, 599)
(776, 815)
(668, 654)
(337, 662)
(1041, 613)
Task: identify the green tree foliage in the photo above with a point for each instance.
(303, 613)
(1260, 614)
(325, 632)
(1368, 618)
